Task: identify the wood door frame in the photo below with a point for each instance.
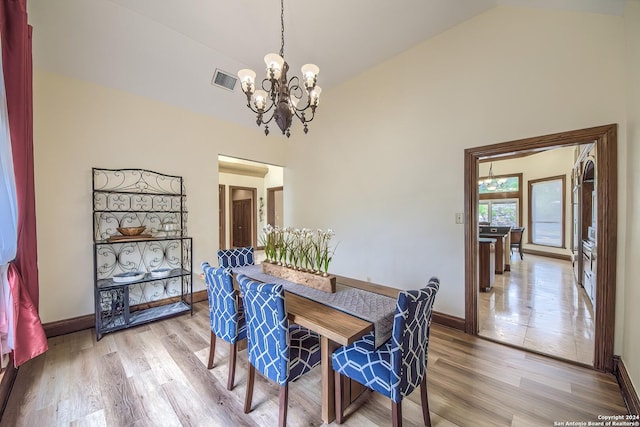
(605, 138)
(222, 223)
(254, 221)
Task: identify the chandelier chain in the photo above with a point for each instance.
(282, 28)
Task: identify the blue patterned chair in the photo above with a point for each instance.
(399, 365)
(279, 351)
(225, 314)
(236, 257)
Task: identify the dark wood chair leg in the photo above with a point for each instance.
(233, 351)
(251, 374)
(212, 350)
(339, 385)
(425, 402)
(396, 414)
(284, 403)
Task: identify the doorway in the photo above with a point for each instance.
(241, 211)
(275, 204)
(605, 138)
(244, 188)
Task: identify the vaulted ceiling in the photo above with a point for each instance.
(168, 50)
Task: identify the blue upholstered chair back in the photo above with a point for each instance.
(237, 257)
(267, 328)
(223, 303)
(410, 338)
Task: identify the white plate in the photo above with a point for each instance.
(160, 272)
(129, 276)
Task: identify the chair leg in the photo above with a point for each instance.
(284, 403)
(249, 394)
(396, 414)
(233, 351)
(212, 350)
(425, 402)
(339, 385)
(521, 255)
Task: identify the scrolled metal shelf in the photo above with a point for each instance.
(136, 193)
(135, 198)
(109, 283)
(143, 240)
(138, 211)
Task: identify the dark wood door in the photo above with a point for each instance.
(242, 222)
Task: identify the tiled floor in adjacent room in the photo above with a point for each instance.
(539, 306)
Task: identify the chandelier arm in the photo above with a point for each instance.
(265, 111)
(270, 118)
(296, 89)
(264, 85)
(303, 117)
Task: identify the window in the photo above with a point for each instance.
(499, 212)
(500, 203)
(546, 206)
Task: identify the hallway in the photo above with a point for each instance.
(539, 307)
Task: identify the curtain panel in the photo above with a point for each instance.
(22, 274)
(8, 223)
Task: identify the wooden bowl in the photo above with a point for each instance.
(131, 231)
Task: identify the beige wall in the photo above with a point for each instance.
(631, 292)
(388, 146)
(78, 125)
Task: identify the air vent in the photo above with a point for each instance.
(224, 80)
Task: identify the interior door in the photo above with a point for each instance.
(275, 206)
(242, 222)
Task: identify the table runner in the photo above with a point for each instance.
(375, 308)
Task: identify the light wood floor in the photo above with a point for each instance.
(156, 375)
(539, 306)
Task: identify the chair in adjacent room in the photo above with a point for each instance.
(279, 351)
(516, 240)
(237, 257)
(399, 365)
(225, 314)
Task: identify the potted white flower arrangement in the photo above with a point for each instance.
(302, 250)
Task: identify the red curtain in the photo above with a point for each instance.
(30, 339)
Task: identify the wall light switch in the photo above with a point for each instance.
(459, 218)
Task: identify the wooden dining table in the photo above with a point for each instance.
(336, 329)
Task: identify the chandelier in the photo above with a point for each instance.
(491, 183)
(279, 98)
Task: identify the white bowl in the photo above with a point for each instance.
(160, 272)
(129, 276)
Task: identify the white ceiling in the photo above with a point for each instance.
(168, 49)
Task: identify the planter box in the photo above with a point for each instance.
(316, 281)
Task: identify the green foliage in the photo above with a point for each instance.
(298, 248)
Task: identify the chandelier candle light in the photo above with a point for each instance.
(279, 98)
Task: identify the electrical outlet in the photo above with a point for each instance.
(459, 218)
